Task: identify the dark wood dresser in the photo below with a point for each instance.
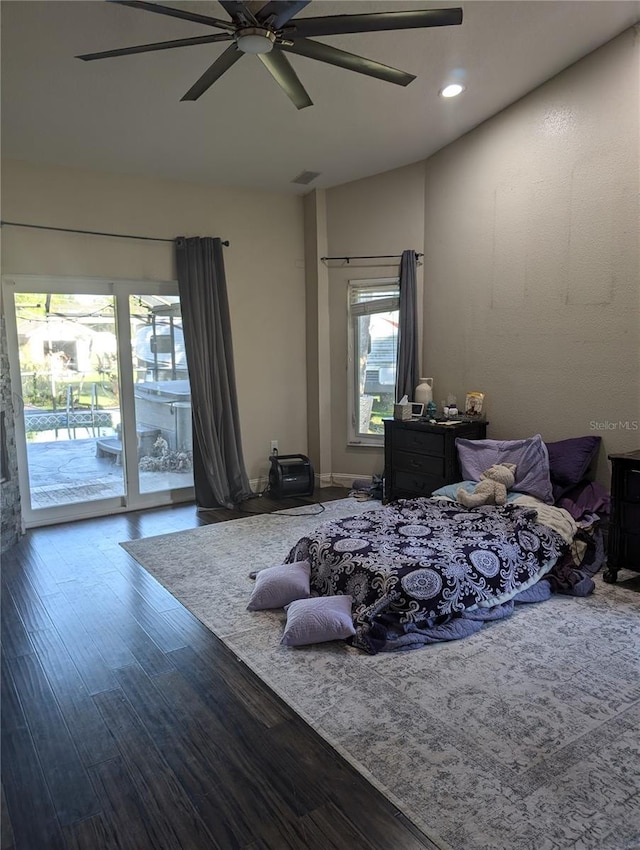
(624, 525)
(420, 457)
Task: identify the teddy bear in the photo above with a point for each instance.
(492, 489)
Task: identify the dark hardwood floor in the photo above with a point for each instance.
(126, 724)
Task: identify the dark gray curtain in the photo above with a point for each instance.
(220, 478)
(407, 371)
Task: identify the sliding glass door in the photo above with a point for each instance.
(162, 396)
(104, 408)
(70, 398)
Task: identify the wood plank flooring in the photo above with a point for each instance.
(126, 724)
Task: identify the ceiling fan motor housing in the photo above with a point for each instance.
(255, 40)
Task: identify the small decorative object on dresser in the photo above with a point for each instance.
(624, 528)
(420, 457)
(473, 404)
(424, 391)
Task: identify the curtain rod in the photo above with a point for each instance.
(90, 232)
(370, 257)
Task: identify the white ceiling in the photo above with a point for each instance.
(124, 114)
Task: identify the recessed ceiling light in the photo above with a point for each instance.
(452, 90)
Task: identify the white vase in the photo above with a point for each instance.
(424, 391)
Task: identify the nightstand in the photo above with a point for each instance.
(419, 457)
(624, 526)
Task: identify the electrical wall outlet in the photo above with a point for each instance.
(274, 446)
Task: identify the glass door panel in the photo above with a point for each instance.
(68, 363)
(106, 416)
(162, 395)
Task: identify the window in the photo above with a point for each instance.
(374, 312)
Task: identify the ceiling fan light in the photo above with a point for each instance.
(255, 40)
(452, 90)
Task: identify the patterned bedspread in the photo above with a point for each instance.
(416, 565)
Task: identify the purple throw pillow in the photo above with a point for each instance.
(569, 460)
(588, 497)
(530, 457)
(278, 586)
(318, 620)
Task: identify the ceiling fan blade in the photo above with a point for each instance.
(239, 12)
(333, 56)
(158, 45)
(280, 69)
(281, 10)
(176, 13)
(254, 6)
(214, 72)
(338, 24)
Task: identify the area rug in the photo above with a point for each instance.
(525, 736)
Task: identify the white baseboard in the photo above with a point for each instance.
(342, 479)
(259, 484)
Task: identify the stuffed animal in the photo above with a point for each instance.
(492, 489)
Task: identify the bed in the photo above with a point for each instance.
(426, 570)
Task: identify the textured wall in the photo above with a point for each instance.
(380, 215)
(318, 335)
(532, 259)
(264, 266)
(532, 266)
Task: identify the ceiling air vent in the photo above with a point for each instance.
(306, 177)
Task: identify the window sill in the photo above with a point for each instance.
(375, 443)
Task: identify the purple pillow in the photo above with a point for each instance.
(318, 620)
(530, 457)
(278, 586)
(588, 497)
(570, 459)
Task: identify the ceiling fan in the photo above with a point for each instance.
(267, 28)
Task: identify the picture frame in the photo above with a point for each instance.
(474, 402)
(417, 409)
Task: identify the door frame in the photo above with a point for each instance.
(121, 290)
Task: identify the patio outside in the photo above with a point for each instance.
(71, 472)
(69, 366)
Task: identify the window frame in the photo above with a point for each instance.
(354, 437)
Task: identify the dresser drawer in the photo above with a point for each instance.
(420, 457)
(418, 441)
(407, 484)
(417, 463)
(631, 485)
(630, 516)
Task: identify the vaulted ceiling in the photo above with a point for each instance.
(125, 114)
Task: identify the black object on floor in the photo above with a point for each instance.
(290, 475)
